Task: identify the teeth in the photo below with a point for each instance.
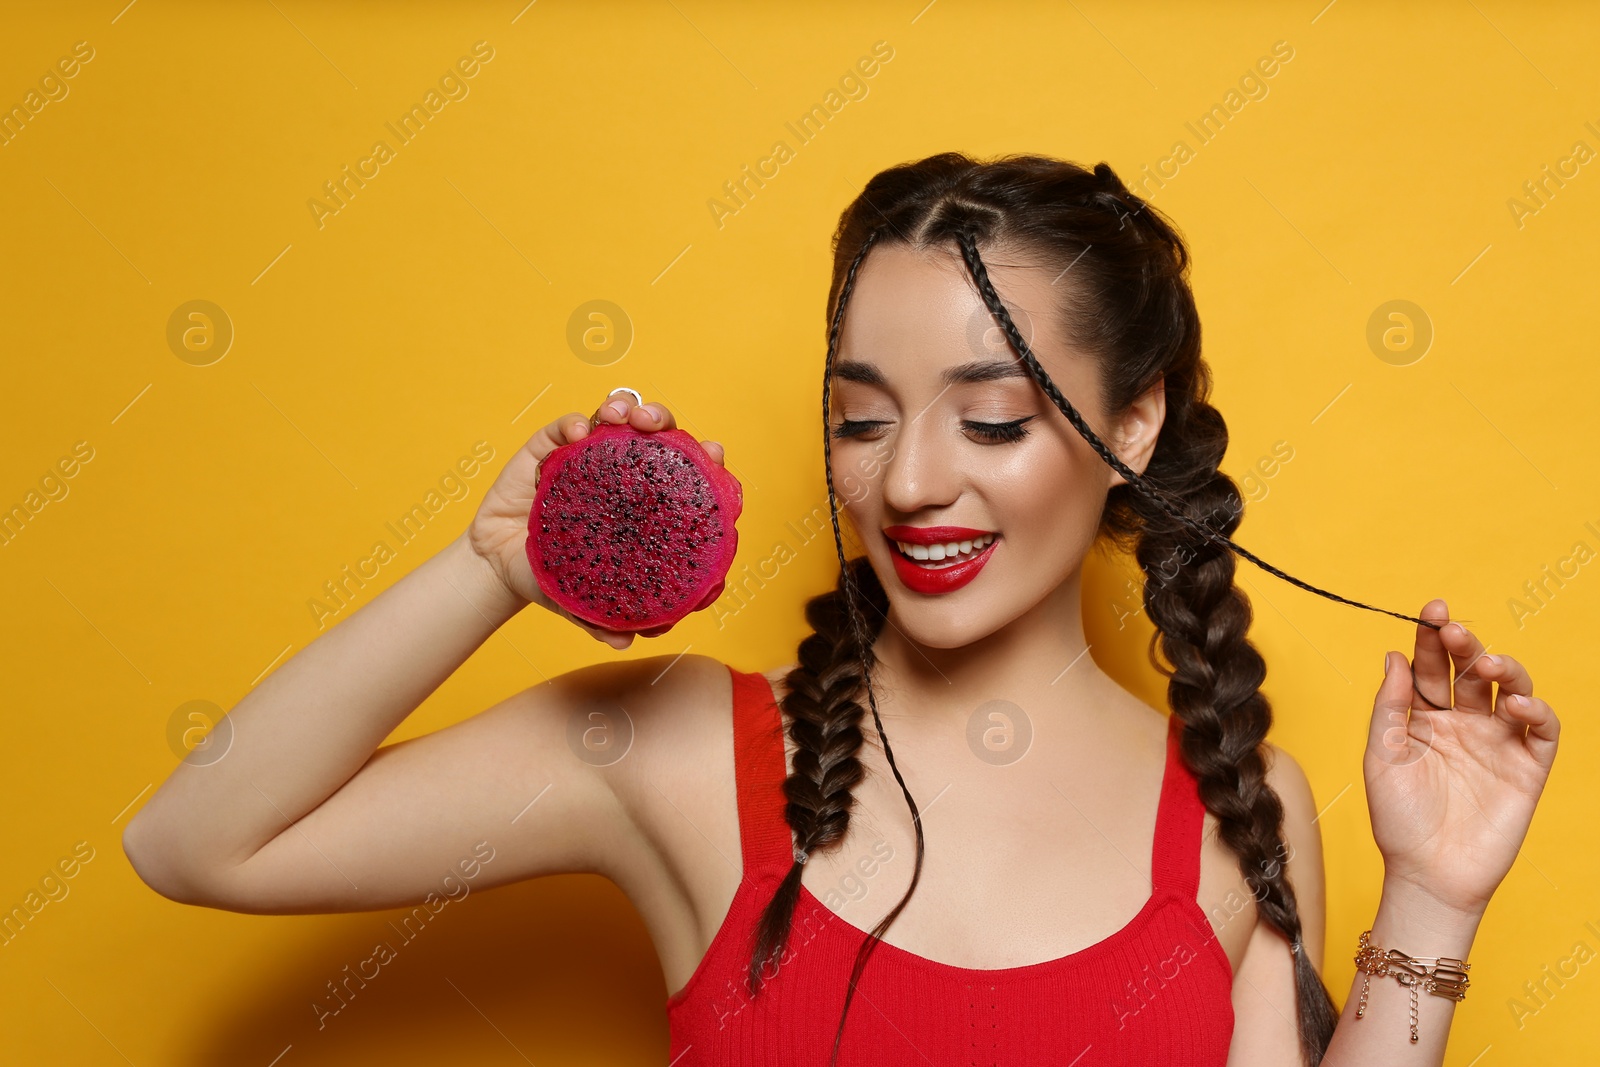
(948, 551)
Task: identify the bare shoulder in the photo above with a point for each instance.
(659, 729)
(668, 707)
(681, 792)
(677, 782)
(675, 715)
(622, 708)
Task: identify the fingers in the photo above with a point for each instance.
(1431, 661)
(568, 428)
(652, 416)
(1473, 691)
(1387, 735)
(1511, 676)
(1516, 705)
(620, 407)
(618, 639)
(1478, 675)
(572, 427)
(1544, 729)
(617, 409)
(614, 638)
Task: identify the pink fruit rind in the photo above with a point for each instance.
(596, 568)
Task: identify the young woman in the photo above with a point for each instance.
(1104, 883)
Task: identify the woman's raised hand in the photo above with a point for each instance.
(1451, 791)
(499, 531)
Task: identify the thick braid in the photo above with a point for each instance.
(824, 721)
(1214, 684)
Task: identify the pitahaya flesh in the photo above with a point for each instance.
(632, 530)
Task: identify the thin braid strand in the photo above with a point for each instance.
(870, 942)
(980, 276)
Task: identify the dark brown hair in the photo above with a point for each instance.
(1126, 300)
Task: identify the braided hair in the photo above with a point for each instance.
(1129, 304)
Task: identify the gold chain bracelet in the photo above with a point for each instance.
(1443, 976)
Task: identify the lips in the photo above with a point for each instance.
(923, 554)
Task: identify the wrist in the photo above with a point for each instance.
(475, 578)
(1415, 921)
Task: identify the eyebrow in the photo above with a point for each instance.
(979, 370)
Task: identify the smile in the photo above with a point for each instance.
(950, 553)
(939, 559)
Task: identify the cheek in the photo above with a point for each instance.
(858, 472)
(1052, 495)
(851, 484)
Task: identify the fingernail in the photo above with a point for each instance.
(617, 408)
(1386, 664)
(1517, 700)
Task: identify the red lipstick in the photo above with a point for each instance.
(943, 579)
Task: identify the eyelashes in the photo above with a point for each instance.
(1000, 432)
(991, 432)
(853, 428)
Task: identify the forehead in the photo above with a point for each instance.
(919, 311)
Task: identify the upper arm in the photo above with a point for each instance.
(527, 787)
(1265, 1020)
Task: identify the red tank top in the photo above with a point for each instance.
(1158, 991)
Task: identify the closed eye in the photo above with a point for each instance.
(1000, 431)
(855, 427)
(994, 432)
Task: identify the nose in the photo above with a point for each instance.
(920, 475)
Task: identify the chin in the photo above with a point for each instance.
(947, 621)
(933, 627)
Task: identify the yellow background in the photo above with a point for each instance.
(431, 312)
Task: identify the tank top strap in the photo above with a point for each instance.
(1180, 819)
(765, 840)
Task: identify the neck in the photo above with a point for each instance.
(1039, 658)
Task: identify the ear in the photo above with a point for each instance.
(1138, 429)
